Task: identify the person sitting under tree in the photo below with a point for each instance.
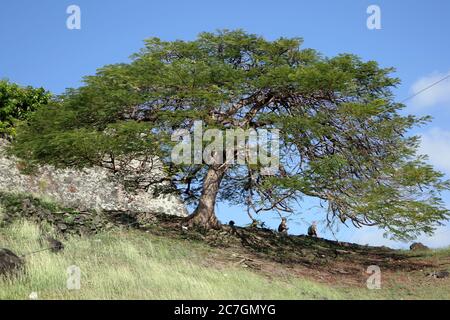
(282, 228)
(312, 230)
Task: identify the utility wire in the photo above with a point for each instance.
(34, 252)
(426, 88)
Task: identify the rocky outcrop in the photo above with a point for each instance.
(88, 189)
(57, 220)
(418, 246)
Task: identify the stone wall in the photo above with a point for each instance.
(91, 188)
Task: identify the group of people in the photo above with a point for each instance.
(283, 228)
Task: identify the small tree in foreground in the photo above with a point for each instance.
(342, 138)
(16, 103)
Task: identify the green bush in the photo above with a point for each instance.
(16, 103)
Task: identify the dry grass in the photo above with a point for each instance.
(138, 265)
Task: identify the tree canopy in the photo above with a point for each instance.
(343, 139)
(16, 103)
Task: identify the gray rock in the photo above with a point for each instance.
(10, 263)
(417, 246)
(439, 274)
(62, 227)
(89, 189)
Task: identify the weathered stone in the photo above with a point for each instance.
(89, 189)
(439, 275)
(10, 263)
(417, 246)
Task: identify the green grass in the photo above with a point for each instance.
(137, 265)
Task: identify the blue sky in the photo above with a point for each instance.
(37, 49)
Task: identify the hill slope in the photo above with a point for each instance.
(131, 264)
(154, 258)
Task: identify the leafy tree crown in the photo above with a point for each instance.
(343, 138)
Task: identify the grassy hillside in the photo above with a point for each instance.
(133, 264)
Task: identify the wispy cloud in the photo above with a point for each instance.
(436, 144)
(432, 96)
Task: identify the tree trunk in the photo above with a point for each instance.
(204, 215)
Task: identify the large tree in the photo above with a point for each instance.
(343, 138)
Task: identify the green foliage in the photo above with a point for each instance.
(343, 138)
(16, 103)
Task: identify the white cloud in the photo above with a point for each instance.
(436, 144)
(438, 94)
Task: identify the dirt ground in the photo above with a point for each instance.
(331, 262)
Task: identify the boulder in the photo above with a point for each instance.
(439, 275)
(417, 246)
(10, 263)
